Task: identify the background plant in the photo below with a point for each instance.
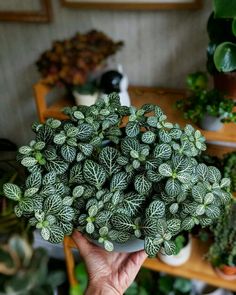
(221, 28)
(223, 250)
(116, 184)
(72, 61)
(230, 168)
(202, 101)
(24, 271)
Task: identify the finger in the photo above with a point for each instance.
(136, 259)
(84, 246)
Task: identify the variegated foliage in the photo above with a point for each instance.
(117, 181)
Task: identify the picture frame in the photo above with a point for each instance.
(43, 15)
(133, 4)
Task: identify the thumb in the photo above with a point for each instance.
(82, 243)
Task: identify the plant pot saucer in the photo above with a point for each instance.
(224, 276)
(129, 247)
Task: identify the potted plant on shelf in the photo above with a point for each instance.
(120, 183)
(74, 63)
(222, 253)
(208, 108)
(169, 285)
(183, 247)
(229, 168)
(221, 51)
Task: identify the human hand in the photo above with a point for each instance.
(110, 273)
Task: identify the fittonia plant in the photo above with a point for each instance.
(117, 183)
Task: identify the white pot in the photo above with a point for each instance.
(179, 259)
(128, 247)
(85, 99)
(211, 123)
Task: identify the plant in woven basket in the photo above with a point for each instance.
(72, 61)
(117, 179)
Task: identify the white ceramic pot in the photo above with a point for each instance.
(211, 123)
(179, 259)
(129, 247)
(85, 99)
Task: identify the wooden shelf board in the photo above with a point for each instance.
(195, 268)
(166, 99)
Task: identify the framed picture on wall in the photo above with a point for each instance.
(25, 10)
(133, 4)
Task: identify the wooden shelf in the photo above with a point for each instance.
(195, 268)
(165, 98)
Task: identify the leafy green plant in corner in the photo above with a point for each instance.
(169, 285)
(223, 250)
(202, 101)
(230, 168)
(115, 184)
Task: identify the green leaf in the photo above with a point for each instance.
(173, 225)
(122, 222)
(151, 246)
(86, 148)
(93, 210)
(29, 161)
(33, 180)
(119, 181)
(163, 151)
(59, 138)
(202, 171)
(133, 203)
(198, 193)
(26, 204)
(148, 137)
(188, 223)
(68, 153)
(12, 191)
(52, 204)
(76, 174)
(212, 211)
(94, 173)
(107, 159)
(129, 144)
(224, 9)
(58, 166)
(84, 131)
(25, 150)
(78, 191)
(66, 214)
(172, 187)
(165, 170)
(56, 234)
(108, 246)
(156, 209)
(169, 247)
(132, 129)
(142, 184)
(149, 227)
(225, 57)
(49, 178)
(214, 175)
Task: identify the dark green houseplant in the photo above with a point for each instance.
(207, 108)
(221, 51)
(222, 253)
(117, 181)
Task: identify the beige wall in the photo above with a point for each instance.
(161, 48)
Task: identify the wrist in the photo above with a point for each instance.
(101, 289)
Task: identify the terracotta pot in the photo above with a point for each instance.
(180, 258)
(226, 83)
(227, 272)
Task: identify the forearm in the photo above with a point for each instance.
(101, 290)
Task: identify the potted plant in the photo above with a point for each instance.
(169, 285)
(208, 108)
(229, 168)
(74, 62)
(118, 182)
(85, 94)
(222, 253)
(183, 247)
(221, 51)
(24, 271)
